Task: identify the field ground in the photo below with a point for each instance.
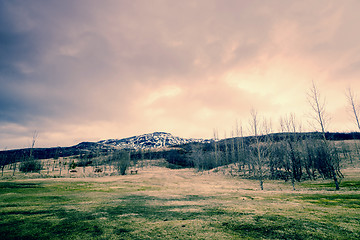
(162, 203)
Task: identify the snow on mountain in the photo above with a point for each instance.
(151, 140)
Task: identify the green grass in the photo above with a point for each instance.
(344, 200)
(273, 226)
(158, 206)
(353, 185)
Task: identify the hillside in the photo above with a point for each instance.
(156, 140)
(150, 140)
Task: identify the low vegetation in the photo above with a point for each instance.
(163, 203)
(30, 166)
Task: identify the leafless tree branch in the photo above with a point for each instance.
(352, 101)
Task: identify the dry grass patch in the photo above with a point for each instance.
(160, 203)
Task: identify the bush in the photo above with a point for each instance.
(121, 159)
(72, 165)
(178, 157)
(84, 163)
(30, 166)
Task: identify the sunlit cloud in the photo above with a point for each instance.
(162, 93)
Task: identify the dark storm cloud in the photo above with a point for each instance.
(19, 45)
(21, 49)
(37, 80)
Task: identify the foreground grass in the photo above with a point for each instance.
(160, 203)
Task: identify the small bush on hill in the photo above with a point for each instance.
(30, 166)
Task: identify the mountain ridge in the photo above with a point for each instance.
(151, 141)
(156, 140)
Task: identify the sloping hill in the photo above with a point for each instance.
(151, 140)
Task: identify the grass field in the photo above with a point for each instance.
(160, 203)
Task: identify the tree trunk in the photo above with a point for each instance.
(337, 187)
(14, 168)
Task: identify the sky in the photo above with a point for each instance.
(89, 70)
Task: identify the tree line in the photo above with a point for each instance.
(289, 154)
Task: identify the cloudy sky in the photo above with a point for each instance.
(90, 70)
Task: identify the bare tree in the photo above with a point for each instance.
(318, 106)
(294, 156)
(216, 147)
(48, 167)
(355, 111)
(14, 165)
(242, 154)
(354, 107)
(122, 160)
(198, 158)
(3, 162)
(29, 164)
(226, 150)
(232, 148)
(238, 146)
(33, 141)
(255, 126)
(60, 167)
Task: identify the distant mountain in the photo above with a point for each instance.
(151, 140)
(156, 140)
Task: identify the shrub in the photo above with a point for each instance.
(30, 166)
(178, 157)
(72, 165)
(121, 160)
(84, 163)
